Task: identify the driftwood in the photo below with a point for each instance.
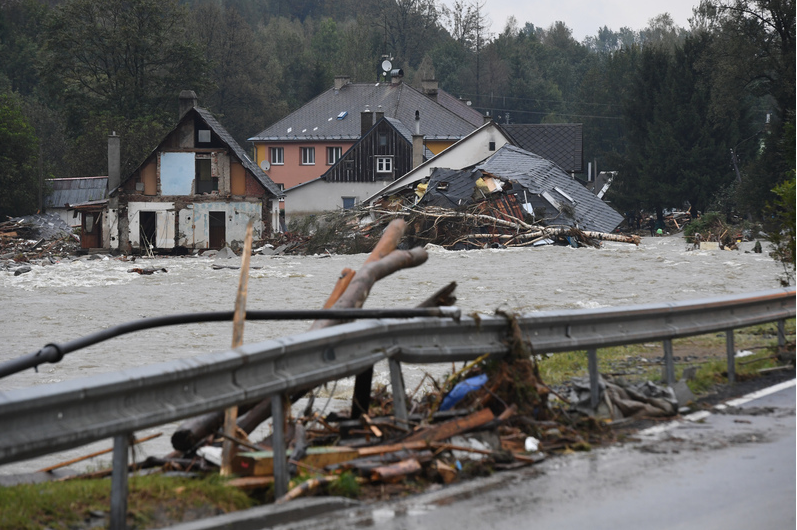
(239, 318)
(452, 427)
(397, 471)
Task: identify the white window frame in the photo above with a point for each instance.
(333, 155)
(308, 156)
(276, 156)
(384, 164)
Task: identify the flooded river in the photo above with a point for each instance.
(70, 299)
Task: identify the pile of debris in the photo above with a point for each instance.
(35, 239)
(498, 222)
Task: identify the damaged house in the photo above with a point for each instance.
(505, 199)
(197, 190)
(81, 203)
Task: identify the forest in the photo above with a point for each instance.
(699, 117)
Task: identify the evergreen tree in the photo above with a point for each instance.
(18, 157)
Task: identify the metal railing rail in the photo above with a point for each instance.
(49, 418)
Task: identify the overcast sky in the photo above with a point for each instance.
(584, 17)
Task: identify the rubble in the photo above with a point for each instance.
(35, 239)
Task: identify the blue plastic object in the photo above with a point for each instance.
(461, 390)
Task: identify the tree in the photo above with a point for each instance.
(677, 153)
(752, 62)
(130, 58)
(18, 157)
(244, 93)
(21, 24)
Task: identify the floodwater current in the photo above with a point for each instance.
(73, 298)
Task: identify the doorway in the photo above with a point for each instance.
(147, 232)
(217, 229)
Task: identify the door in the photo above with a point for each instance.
(217, 230)
(91, 233)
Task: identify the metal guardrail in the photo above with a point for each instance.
(45, 419)
(48, 418)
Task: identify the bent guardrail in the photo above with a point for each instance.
(45, 419)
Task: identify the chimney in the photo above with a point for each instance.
(114, 164)
(417, 142)
(187, 101)
(366, 122)
(429, 87)
(341, 81)
(396, 76)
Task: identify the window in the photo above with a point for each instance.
(384, 164)
(349, 202)
(382, 139)
(204, 136)
(205, 181)
(276, 155)
(333, 154)
(308, 156)
(492, 146)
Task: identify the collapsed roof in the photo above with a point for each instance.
(541, 187)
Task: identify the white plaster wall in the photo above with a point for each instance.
(165, 222)
(110, 236)
(195, 223)
(322, 196)
(66, 216)
(469, 151)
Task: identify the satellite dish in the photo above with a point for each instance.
(386, 65)
(265, 165)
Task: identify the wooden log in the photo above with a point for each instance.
(306, 487)
(238, 320)
(443, 297)
(396, 472)
(340, 287)
(392, 448)
(92, 455)
(453, 427)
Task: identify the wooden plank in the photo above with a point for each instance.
(261, 463)
(453, 427)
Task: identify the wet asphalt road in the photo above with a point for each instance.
(734, 469)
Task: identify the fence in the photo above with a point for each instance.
(48, 418)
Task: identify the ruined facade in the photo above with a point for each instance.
(198, 189)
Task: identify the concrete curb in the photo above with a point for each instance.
(270, 515)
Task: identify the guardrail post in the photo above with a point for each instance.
(278, 446)
(731, 351)
(781, 334)
(594, 383)
(399, 393)
(121, 443)
(361, 400)
(669, 363)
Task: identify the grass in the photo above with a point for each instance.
(62, 505)
(710, 348)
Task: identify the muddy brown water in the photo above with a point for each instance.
(70, 299)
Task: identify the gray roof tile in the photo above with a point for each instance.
(541, 176)
(318, 119)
